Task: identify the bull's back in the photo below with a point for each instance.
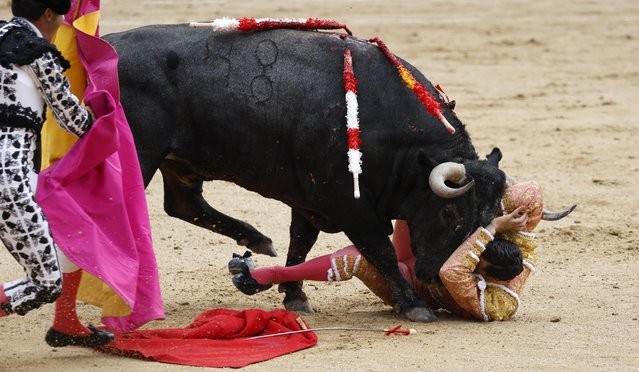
(261, 101)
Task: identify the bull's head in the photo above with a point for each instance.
(466, 196)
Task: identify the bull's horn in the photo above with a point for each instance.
(547, 215)
(448, 171)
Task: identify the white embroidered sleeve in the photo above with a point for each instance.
(56, 92)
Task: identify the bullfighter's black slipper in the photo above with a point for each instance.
(246, 283)
(235, 265)
(96, 338)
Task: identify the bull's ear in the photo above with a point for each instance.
(494, 157)
(426, 161)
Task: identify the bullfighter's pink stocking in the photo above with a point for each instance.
(66, 318)
(315, 269)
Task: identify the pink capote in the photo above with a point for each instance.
(94, 196)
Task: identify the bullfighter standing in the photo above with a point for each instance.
(30, 80)
(482, 279)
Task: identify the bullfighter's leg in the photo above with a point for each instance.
(24, 230)
(67, 330)
(314, 269)
(340, 266)
(303, 236)
(183, 199)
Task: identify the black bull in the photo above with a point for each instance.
(266, 111)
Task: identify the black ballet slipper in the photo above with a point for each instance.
(246, 283)
(236, 262)
(96, 338)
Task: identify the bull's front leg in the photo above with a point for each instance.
(378, 250)
(303, 236)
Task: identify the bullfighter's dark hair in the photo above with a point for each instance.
(504, 258)
(34, 9)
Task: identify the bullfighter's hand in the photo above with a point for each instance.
(514, 221)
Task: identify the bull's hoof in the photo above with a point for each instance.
(420, 314)
(297, 306)
(265, 247)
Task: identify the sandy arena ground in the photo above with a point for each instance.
(554, 85)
